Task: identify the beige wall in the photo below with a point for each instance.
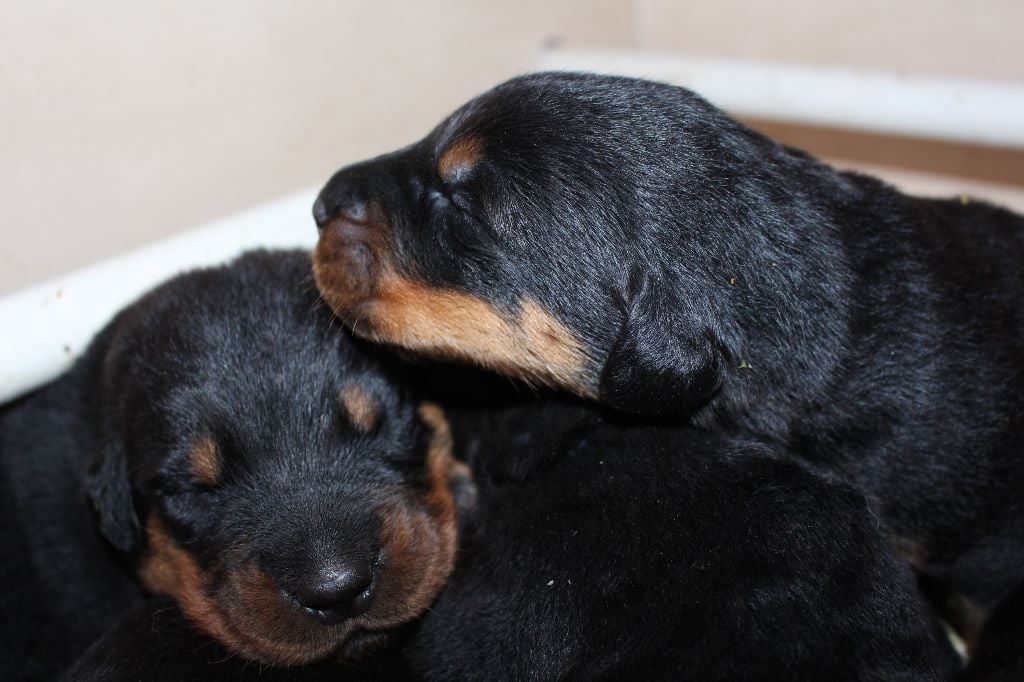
(123, 121)
(979, 39)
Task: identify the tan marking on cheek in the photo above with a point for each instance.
(419, 552)
(362, 411)
(170, 570)
(440, 462)
(205, 461)
(420, 537)
(258, 592)
(461, 155)
(351, 257)
(453, 325)
(254, 622)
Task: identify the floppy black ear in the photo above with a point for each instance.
(663, 361)
(110, 491)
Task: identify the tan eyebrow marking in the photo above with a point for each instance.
(361, 408)
(205, 461)
(461, 155)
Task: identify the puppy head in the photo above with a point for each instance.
(271, 477)
(552, 229)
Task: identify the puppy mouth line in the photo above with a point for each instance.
(314, 641)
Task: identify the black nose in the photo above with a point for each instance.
(320, 214)
(338, 592)
(340, 198)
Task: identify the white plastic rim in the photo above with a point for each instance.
(47, 326)
(960, 110)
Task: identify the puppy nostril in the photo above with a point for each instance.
(354, 213)
(338, 593)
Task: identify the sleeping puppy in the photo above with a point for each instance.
(628, 242)
(227, 443)
(708, 558)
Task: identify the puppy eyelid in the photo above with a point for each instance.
(455, 199)
(438, 198)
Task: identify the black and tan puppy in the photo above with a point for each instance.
(225, 441)
(628, 242)
(711, 559)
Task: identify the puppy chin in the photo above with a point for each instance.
(240, 606)
(261, 623)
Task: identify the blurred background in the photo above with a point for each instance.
(125, 122)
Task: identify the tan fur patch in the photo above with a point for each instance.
(362, 411)
(461, 155)
(254, 622)
(205, 461)
(338, 275)
(168, 569)
(440, 462)
(419, 547)
(453, 325)
(420, 541)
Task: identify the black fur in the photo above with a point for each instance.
(61, 583)
(603, 549)
(242, 354)
(710, 273)
(709, 558)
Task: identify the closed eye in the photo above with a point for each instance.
(439, 199)
(458, 198)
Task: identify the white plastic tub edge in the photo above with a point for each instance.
(48, 325)
(957, 109)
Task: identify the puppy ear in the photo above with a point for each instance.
(109, 489)
(663, 361)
